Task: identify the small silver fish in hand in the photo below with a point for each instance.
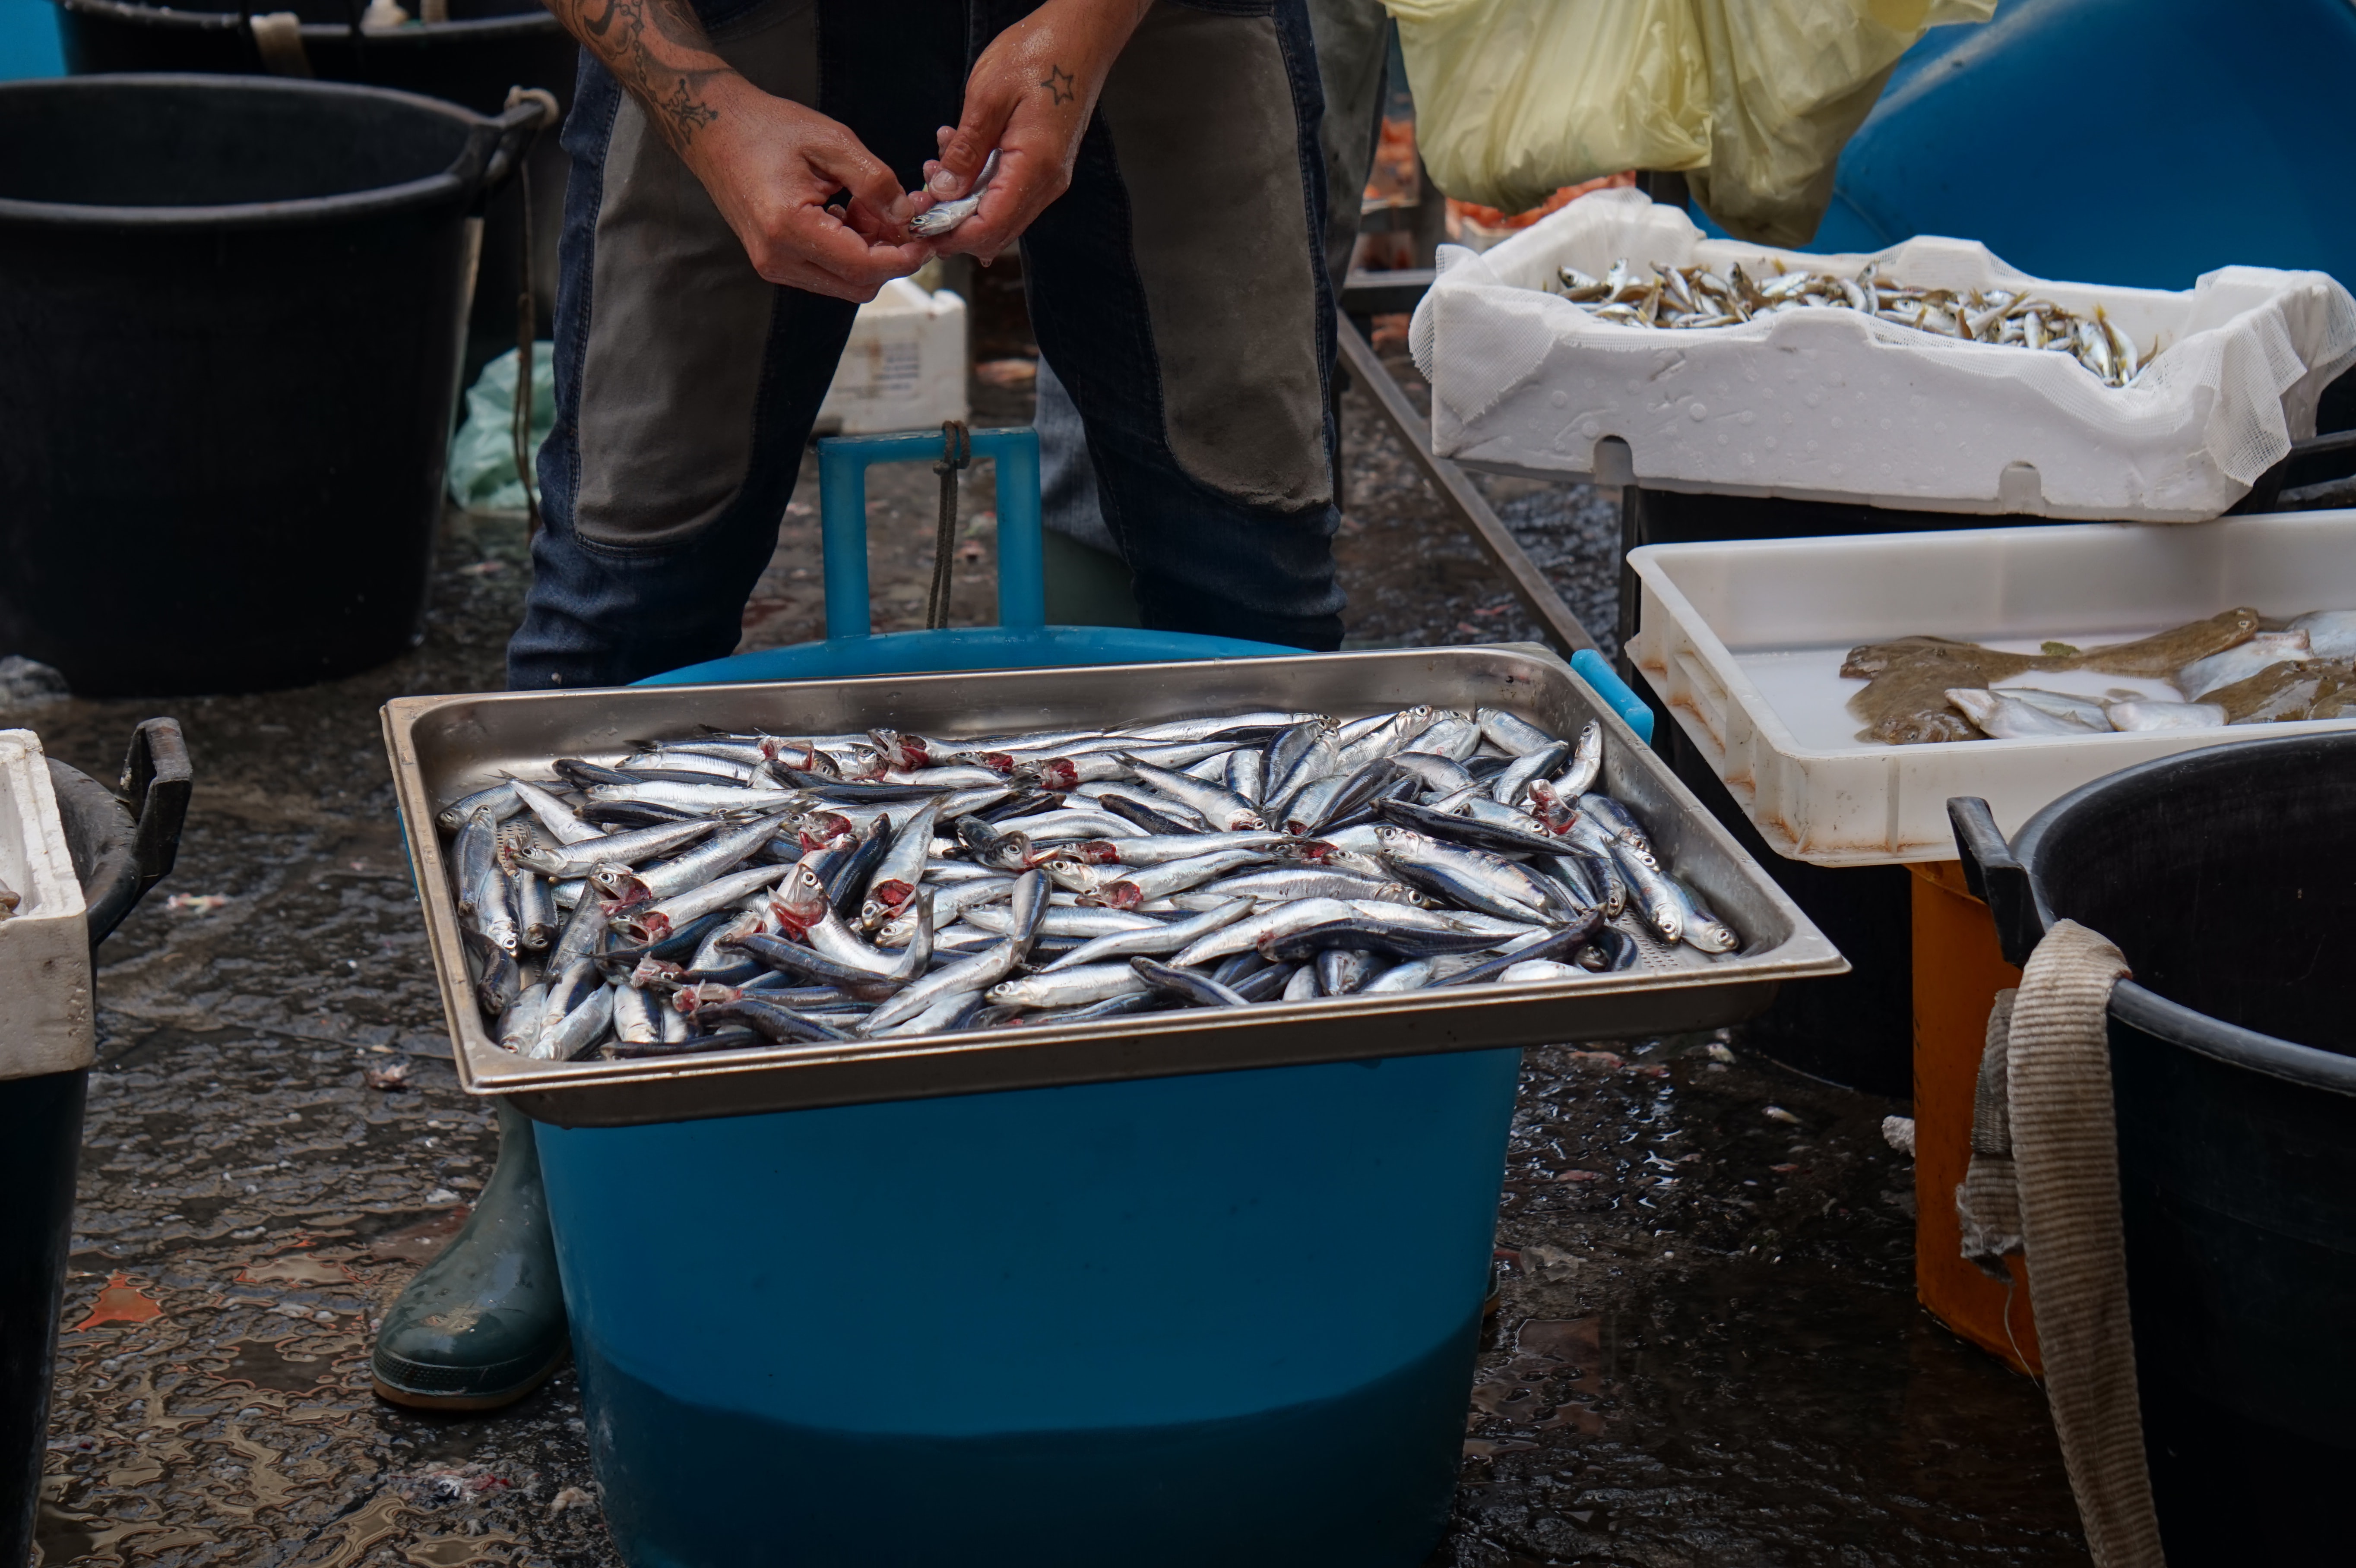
(936, 221)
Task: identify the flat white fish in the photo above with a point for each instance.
(2330, 633)
(2201, 677)
(2157, 715)
(2003, 717)
(2086, 710)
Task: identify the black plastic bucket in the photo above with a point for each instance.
(119, 852)
(232, 309)
(472, 60)
(2227, 876)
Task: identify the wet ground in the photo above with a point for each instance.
(1708, 1350)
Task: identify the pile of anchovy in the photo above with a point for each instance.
(737, 889)
(1689, 297)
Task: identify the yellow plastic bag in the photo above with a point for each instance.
(1756, 98)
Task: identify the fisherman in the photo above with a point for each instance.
(738, 184)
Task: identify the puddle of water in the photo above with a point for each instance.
(262, 1364)
(420, 1243)
(297, 1271)
(457, 1550)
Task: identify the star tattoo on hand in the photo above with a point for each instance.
(1058, 83)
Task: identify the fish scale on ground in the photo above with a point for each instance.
(721, 892)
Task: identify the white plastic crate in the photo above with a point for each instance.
(45, 1007)
(903, 368)
(1744, 643)
(1838, 405)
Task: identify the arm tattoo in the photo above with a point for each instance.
(658, 50)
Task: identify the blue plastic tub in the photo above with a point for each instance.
(1219, 1321)
(1227, 1319)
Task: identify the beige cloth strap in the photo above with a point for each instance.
(278, 35)
(1988, 1203)
(2065, 1145)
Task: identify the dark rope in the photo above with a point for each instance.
(527, 322)
(957, 454)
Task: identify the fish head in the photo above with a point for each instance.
(799, 900)
(653, 971)
(824, 830)
(905, 751)
(617, 885)
(1115, 895)
(1053, 774)
(1390, 836)
(1713, 936)
(1242, 821)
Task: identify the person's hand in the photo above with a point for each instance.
(1029, 98)
(770, 165)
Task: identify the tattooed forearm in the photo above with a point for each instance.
(658, 50)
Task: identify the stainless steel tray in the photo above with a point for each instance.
(445, 747)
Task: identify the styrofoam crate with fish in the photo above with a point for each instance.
(1928, 376)
(1845, 688)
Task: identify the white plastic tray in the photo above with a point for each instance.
(45, 1019)
(1837, 405)
(1744, 643)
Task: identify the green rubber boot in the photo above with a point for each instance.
(483, 1325)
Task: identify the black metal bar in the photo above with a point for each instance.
(1384, 294)
(1456, 491)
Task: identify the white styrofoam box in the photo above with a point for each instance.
(1744, 643)
(1840, 405)
(45, 1014)
(903, 368)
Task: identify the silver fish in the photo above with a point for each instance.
(1245, 935)
(499, 800)
(1510, 733)
(580, 856)
(1069, 988)
(944, 217)
(652, 923)
(1220, 807)
(578, 1031)
(1586, 762)
(1153, 938)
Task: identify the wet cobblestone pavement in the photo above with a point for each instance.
(1708, 1350)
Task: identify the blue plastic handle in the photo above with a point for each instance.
(843, 463)
(1631, 708)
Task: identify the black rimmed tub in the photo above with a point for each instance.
(231, 311)
(2227, 877)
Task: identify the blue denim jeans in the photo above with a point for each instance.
(1177, 286)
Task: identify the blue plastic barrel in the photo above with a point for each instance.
(1220, 1319)
(29, 40)
(2134, 141)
